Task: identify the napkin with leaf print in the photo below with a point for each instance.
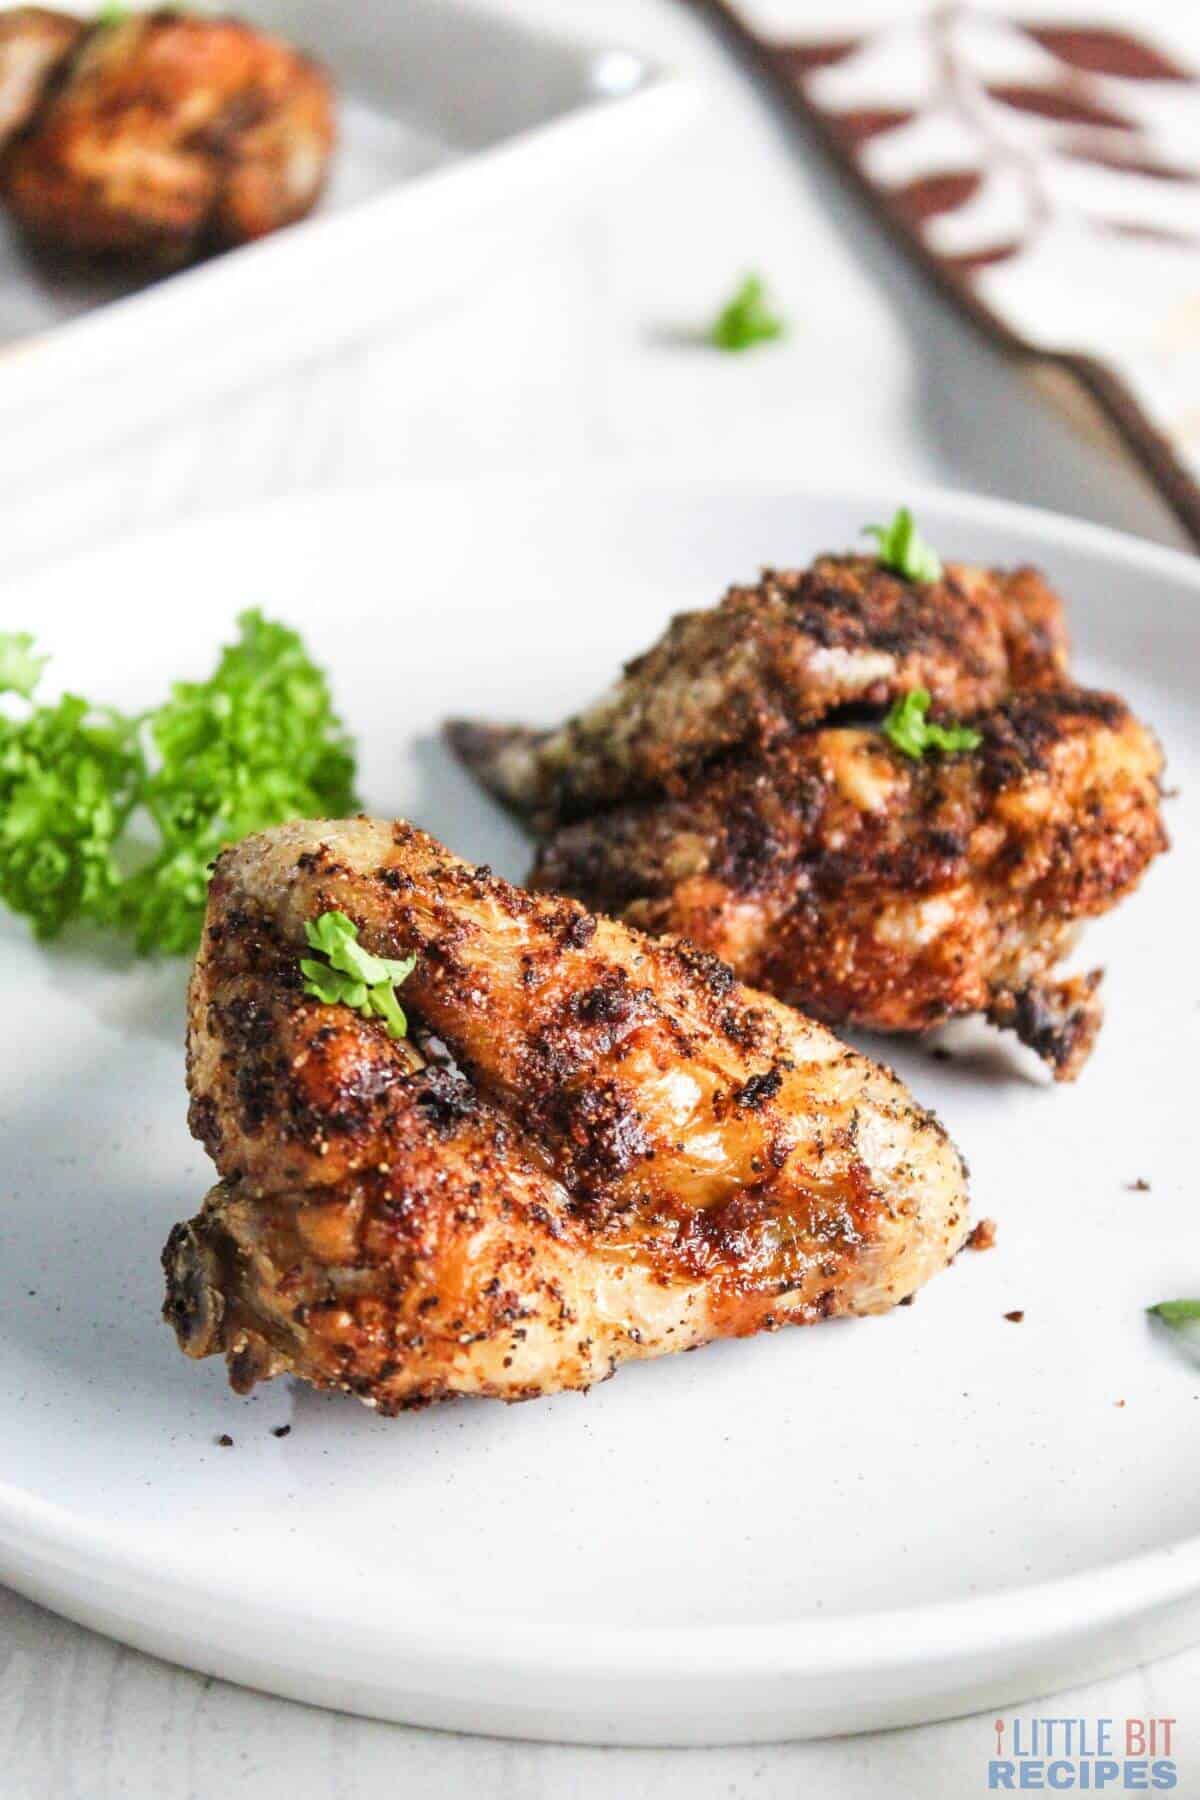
(1042, 162)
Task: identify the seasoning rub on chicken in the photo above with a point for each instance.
(747, 784)
(590, 1146)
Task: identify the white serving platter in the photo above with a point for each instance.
(465, 136)
(863, 1524)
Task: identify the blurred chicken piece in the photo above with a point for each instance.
(34, 45)
(844, 632)
(592, 1147)
(165, 136)
(895, 894)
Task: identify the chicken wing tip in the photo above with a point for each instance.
(502, 758)
(193, 1306)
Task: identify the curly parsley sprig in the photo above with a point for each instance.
(351, 975)
(70, 776)
(115, 820)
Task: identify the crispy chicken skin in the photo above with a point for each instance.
(34, 45)
(737, 788)
(865, 886)
(784, 653)
(167, 135)
(592, 1146)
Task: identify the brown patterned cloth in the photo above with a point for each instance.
(1043, 171)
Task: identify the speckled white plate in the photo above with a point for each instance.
(859, 1525)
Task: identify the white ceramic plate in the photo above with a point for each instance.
(464, 135)
(864, 1524)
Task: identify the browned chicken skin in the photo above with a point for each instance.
(769, 659)
(865, 886)
(774, 823)
(592, 1147)
(166, 135)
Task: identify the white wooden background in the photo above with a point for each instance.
(569, 360)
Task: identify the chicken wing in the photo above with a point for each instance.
(866, 886)
(782, 654)
(591, 1147)
(738, 787)
(166, 135)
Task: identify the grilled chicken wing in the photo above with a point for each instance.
(769, 658)
(865, 886)
(165, 135)
(592, 1147)
(737, 788)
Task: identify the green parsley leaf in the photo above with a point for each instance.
(1182, 1319)
(113, 12)
(20, 669)
(327, 933)
(385, 1004)
(1177, 1313)
(332, 986)
(913, 733)
(903, 550)
(353, 976)
(337, 936)
(117, 820)
(746, 319)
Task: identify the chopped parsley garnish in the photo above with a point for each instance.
(903, 550)
(115, 820)
(747, 319)
(351, 975)
(910, 729)
(113, 12)
(1178, 1314)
